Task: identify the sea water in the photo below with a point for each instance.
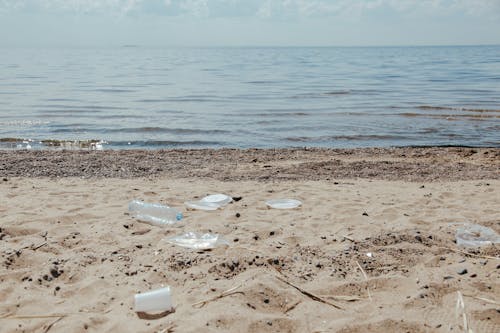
(149, 98)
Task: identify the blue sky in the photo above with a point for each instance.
(248, 22)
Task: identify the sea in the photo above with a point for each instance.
(134, 97)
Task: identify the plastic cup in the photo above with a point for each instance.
(154, 300)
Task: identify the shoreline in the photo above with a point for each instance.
(294, 164)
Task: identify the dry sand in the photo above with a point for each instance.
(71, 258)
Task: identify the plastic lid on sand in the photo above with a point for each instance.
(198, 241)
(202, 205)
(220, 199)
(283, 203)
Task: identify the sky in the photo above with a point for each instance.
(158, 23)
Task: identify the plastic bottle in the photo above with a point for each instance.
(153, 213)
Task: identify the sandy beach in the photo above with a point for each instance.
(371, 249)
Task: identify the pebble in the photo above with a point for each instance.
(462, 271)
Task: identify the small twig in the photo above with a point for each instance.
(223, 294)
(53, 323)
(484, 299)
(291, 307)
(34, 316)
(346, 298)
(39, 246)
(366, 278)
(349, 238)
(461, 307)
(469, 254)
(308, 294)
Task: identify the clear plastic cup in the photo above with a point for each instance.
(153, 301)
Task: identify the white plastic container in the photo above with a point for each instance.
(153, 213)
(219, 199)
(283, 203)
(157, 300)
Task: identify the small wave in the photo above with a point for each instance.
(114, 91)
(452, 116)
(164, 144)
(80, 107)
(61, 100)
(19, 143)
(448, 108)
(259, 82)
(345, 138)
(163, 130)
(152, 100)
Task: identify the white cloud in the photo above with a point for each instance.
(264, 8)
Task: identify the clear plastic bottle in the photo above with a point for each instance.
(153, 213)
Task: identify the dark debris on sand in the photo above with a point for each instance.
(408, 163)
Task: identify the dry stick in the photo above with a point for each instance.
(308, 294)
(291, 307)
(34, 316)
(461, 306)
(39, 246)
(223, 294)
(346, 298)
(349, 238)
(366, 278)
(469, 254)
(484, 299)
(50, 326)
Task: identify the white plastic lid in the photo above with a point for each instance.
(202, 205)
(283, 203)
(220, 199)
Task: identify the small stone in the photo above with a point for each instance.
(238, 214)
(473, 275)
(365, 214)
(237, 198)
(236, 240)
(5, 180)
(272, 234)
(418, 238)
(462, 271)
(266, 300)
(54, 272)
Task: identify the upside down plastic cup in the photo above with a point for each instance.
(153, 301)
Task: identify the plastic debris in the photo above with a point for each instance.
(210, 202)
(201, 205)
(154, 300)
(283, 203)
(475, 235)
(153, 213)
(220, 199)
(194, 240)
